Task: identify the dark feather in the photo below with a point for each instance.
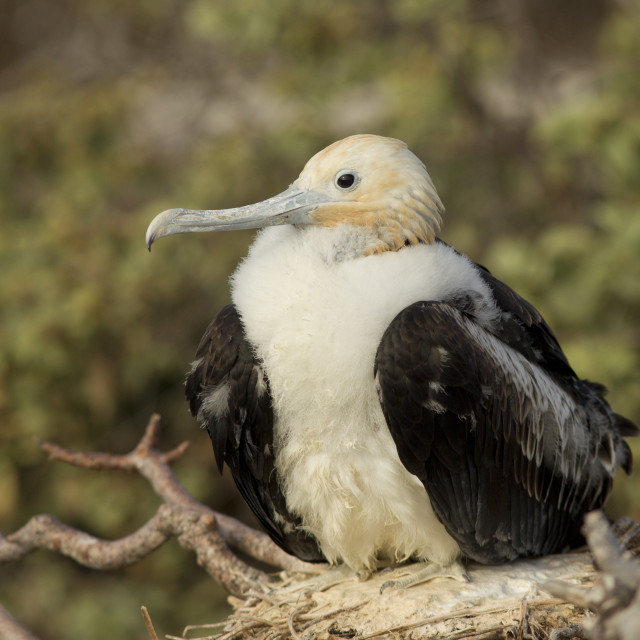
(241, 427)
(488, 460)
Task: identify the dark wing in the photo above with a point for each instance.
(228, 391)
(512, 449)
(523, 328)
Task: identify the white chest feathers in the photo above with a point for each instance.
(315, 315)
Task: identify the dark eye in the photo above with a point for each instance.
(346, 179)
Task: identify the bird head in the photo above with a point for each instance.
(364, 180)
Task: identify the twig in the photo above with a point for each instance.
(194, 531)
(129, 462)
(153, 465)
(11, 629)
(46, 532)
(303, 608)
(616, 597)
(148, 623)
(195, 526)
(607, 552)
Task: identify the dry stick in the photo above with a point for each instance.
(11, 629)
(153, 465)
(331, 614)
(195, 526)
(609, 557)
(615, 598)
(148, 623)
(607, 551)
(297, 611)
(193, 531)
(46, 532)
(210, 625)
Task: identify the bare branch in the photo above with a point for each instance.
(153, 466)
(11, 629)
(195, 526)
(607, 552)
(148, 623)
(616, 596)
(193, 531)
(46, 532)
(129, 462)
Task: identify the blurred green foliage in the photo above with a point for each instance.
(527, 114)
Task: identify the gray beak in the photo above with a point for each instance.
(292, 206)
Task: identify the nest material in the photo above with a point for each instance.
(496, 599)
(506, 601)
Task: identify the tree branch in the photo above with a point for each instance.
(195, 526)
(616, 596)
(153, 465)
(11, 629)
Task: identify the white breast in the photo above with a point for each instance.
(315, 315)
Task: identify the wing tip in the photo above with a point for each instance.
(626, 427)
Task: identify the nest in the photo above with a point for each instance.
(542, 598)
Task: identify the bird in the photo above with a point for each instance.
(379, 397)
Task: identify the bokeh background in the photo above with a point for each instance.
(527, 113)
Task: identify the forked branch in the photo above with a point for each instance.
(196, 527)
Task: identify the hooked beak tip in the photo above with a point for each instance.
(157, 228)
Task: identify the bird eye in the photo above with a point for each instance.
(346, 179)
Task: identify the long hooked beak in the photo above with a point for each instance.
(292, 206)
